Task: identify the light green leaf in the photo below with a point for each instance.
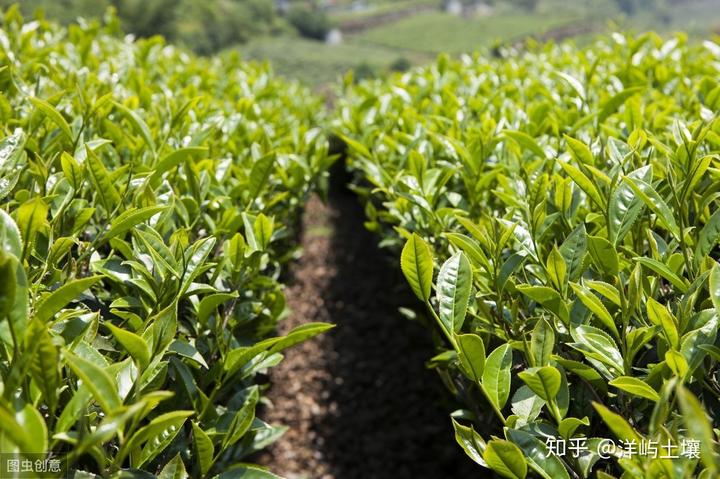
(129, 219)
(506, 459)
(496, 375)
(453, 291)
(470, 441)
(659, 315)
(617, 424)
(204, 448)
(56, 300)
(103, 186)
(664, 271)
(544, 381)
(416, 262)
(556, 269)
(49, 111)
(138, 125)
(699, 427)
(652, 200)
(542, 342)
(635, 387)
(133, 344)
(174, 469)
(537, 455)
(97, 380)
(471, 353)
(611, 105)
(595, 305)
(604, 255)
(585, 184)
(30, 220)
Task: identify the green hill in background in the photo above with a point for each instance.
(316, 41)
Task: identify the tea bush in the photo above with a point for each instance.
(558, 214)
(148, 202)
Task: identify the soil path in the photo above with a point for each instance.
(359, 401)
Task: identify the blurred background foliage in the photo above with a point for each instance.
(317, 40)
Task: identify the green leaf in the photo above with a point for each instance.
(210, 303)
(242, 420)
(568, 426)
(635, 387)
(59, 298)
(246, 472)
(496, 375)
(617, 424)
(299, 334)
(204, 449)
(49, 111)
(573, 251)
(72, 170)
(30, 220)
(525, 141)
(10, 239)
(548, 298)
(624, 206)
(659, 315)
(470, 441)
(13, 299)
(714, 287)
(707, 238)
(542, 343)
(471, 248)
(471, 353)
(599, 344)
(677, 363)
(699, 427)
(453, 291)
(537, 455)
(506, 459)
(544, 381)
(612, 105)
(24, 427)
(138, 125)
(526, 404)
(580, 151)
(173, 159)
(185, 349)
(103, 185)
(174, 469)
(95, 378)
(652, 200)
(263, 230)
(259, 175)
(585, 184)
(44, 366)
(665, 272)
(151, 440)
(604, 255)
(416, 262)
(556, 269)
(129, 219)
(595, 305)
(133, 344)
(12, 162)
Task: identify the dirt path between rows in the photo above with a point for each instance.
(359, 401)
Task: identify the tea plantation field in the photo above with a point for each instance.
(553, 210)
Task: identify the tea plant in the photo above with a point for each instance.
(148, 201)
(558, 215)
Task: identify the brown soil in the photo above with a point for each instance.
(359, 401)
